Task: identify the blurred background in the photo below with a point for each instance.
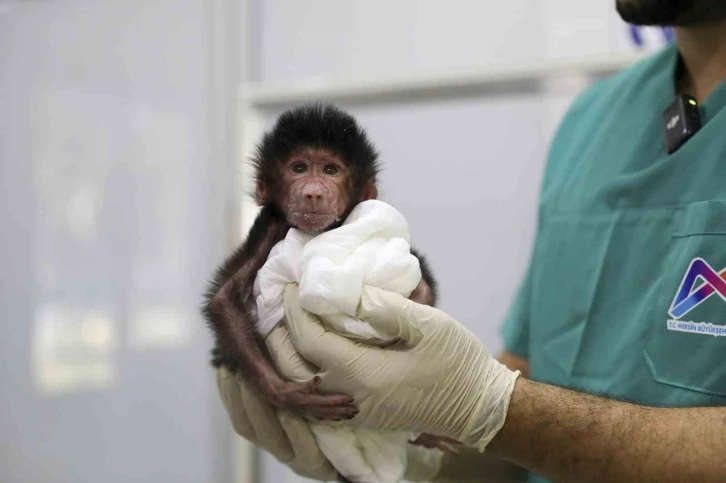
(124, 127)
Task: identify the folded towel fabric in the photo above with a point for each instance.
(372, 248)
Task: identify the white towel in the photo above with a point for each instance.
(370, 248)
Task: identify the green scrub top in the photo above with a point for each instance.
(625, 293)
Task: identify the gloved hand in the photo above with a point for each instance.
(286, 436)
(439, 378)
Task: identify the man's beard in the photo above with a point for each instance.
(672, 13)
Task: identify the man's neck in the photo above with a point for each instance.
(703, 50)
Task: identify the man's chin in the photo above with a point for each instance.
(669, 13)
(312, 223)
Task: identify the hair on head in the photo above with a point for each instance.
(318, 126)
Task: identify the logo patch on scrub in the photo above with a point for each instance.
(700, 283)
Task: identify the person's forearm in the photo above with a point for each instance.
(573, 437)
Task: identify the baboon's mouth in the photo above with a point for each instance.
(312, 221)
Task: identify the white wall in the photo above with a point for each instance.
(464, 170)
(351, 39)
(112, 199)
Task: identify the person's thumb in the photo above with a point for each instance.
(391, 314)
(308, 336)
(291, 365)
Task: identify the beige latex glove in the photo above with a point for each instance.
(439, 378)
(284, 435)
(288, 437)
